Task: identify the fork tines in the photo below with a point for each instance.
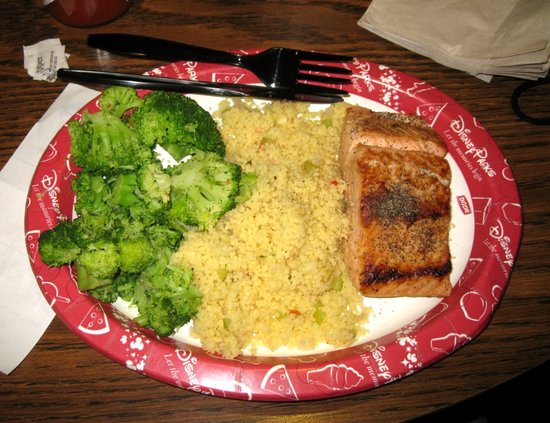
(323, 68)
(323, 78)
(319, 72)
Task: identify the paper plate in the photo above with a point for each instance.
(487, 225)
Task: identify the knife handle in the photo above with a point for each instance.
(159, 49)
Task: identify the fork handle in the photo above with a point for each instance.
(159, 49)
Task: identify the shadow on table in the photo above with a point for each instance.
(520, 399)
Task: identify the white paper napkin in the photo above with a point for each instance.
(483, 38)
(24, 312)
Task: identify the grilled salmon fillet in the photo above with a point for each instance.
(399, 206)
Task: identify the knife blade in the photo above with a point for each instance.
(140, 81)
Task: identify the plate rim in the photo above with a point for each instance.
(297, 369)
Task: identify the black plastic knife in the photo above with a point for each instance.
(139, 81)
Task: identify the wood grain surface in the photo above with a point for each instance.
(64, 379)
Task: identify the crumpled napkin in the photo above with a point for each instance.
(483, 38)
(43, 59)
(24, 312)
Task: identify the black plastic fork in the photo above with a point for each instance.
(275, 67)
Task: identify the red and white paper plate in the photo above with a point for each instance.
(406, 334)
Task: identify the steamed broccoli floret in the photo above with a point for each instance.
(178, 124)
(106, 293)
(92, 194)
(135, 254)
(103, 143)
(127, 227)
(154, 185)
(124, 190)
(122, 286)
(118, 100)
(57, 246)
(140, 211)
(97, 265)
(162, 236)
(165, 298)
(92, 228)
(203, 190)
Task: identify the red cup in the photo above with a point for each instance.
(86, 13)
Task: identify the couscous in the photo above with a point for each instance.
(272, 272)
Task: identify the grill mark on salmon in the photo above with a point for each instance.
(376, 274)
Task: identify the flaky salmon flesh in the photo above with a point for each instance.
(398, 202)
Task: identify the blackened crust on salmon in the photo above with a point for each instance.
(373, 275)
(389, 203)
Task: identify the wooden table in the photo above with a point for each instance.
(64, 379)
